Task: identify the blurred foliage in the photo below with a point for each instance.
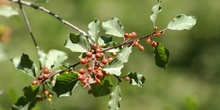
(190, 82)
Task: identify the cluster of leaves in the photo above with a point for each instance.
(54, 76)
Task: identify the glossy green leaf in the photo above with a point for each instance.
(53, 59)
(113, 27)
(114, 67)
(155, 10)
(136, 79)
(94, 30)
(104, 88)
(81, 46)
(124, 55)
(114, 102)
(25, 64)
(65, 84)
(182, 22)
(161, 55)
(30, 92)
(8, 11)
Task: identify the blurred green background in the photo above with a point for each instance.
(190, 82)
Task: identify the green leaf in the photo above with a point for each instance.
(136, 79)
(106, 39)
(65, 84)
(124, 55)
(28, 101)
(81, 46)
(104, 88)
(114, 102)
(25, 64)
(8, 11)
(111, 44)
(161, 55)
(113, 27)
(182, 22)
(94, 30)
(23, 104)
(30, 92)
(53, 59)
(114, 67)
(155, 10)
(74, 38)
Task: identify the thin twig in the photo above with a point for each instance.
(52, 14)
(30, 30)
(119, 80)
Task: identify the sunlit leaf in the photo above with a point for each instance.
(182, 22)
(114, 102)
(114, 67)
(161, 55)
(104, 88)
(155, 10)
(124, 55)
(53, 59)
(8, 11)
(81, 46)
(94, 30)
(136, 79)
(113, 27)
(25, 64)
(65, 84)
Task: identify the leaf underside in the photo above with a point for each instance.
(115, 98)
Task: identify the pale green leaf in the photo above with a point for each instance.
(114, 67)
(53, 59)
(124, 55)
(182, 22)
(113, 27)
(115, 98)
(8, 11)
(155, 10)
(81, 45)
(93, 30)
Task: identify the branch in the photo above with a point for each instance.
(128, 42)
(52, 14)
(30, 31)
